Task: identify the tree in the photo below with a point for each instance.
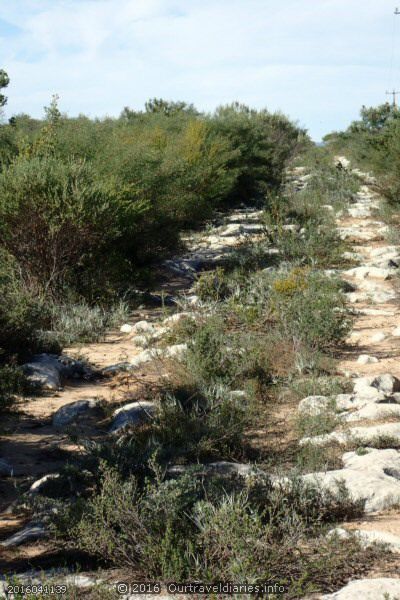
(4, 81)
(158, 105)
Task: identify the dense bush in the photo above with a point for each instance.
(86, 205)
(188, 528)
(12, 382)
(373, 142)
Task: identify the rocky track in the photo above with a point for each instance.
(37, 444)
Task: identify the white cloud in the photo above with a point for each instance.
(317, 61)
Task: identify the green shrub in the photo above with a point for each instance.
(12, 383)
(177, 529)
(72, 323)
(310, 309)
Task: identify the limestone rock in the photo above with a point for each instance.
(368, 589)
(314, 405)
(68, 413)
(126, 328)
(373, 477)
(372, 412)
(364, 435)
(377, 338)
(367, 537)
(385, 383)
(38, 485)
(30, 533)
(177, 318)
(47, 371)
(365, 359)
(143, 327)
(134, 413)
(374, 272)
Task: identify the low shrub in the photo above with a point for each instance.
(309, 309)
(12, 384)
(80, 322)
(177, 529)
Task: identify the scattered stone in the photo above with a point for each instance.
(377, 338)
(396, 332)
(363, 435)
(48, 371)
(386, 383)
(143, 358)
(368, 537)
(142, 341)
(38, 485)
(70, 412)
(373, 477)
(364, 272)
(121, 367)
(368, 589)
(176, 351)
(239, 229)
(126, 328)
(134, 413)
(30, 533)
(372, 412)
(81, 581)
(314, 405)
(364, 359)
(143, 327)
(177, 318)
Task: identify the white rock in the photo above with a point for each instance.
(70, 412)
(382, 588)
(367, 537)
(367, 477)
(372, 412)
(314, 405)
(377, 338)
(345, 401)
(364, 359)
(126, 328)
(133, 413)
(30, 533)
(176, 351)
(364, 272)
(143, 358)
(38, 485)
(376, 312)
(358, 212)
(143, 327)
(396, 332)
(142, 341)
(386, 383)
(177, 318)
(81, 581)
(364, 435)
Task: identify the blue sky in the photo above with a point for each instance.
(318, 61)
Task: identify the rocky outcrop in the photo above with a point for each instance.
(47, 372)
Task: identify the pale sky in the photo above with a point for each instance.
(318, 61)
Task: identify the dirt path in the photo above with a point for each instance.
(28, 440)
(374, 345)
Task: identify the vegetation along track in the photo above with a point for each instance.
(243, 406)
